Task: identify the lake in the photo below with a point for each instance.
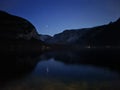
(61, 71)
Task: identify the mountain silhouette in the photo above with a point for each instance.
(18, 35)
(100, 36)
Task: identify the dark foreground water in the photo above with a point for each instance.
(61, 71)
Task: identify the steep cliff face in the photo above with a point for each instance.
(15, 27)
(18, 35)
(108, 34)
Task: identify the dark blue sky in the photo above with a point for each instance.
(54, 16)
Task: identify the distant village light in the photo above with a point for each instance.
(107, 46)
(88, 46)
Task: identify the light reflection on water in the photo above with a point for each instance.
(65, 71)
(55, 75)
(58, 70)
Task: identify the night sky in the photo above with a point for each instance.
(54, 16)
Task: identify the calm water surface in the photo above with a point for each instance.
(72, 72)
(65, 72)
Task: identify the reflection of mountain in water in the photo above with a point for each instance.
(104, 58)
(16, 66)
(22, 71)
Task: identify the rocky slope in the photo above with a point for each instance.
(105, 35)
(17, 34)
